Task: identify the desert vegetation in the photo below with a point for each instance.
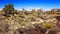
(13, 21)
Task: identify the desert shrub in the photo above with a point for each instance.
(52, 32)
(47, 25)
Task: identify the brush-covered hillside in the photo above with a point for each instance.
(13, 21)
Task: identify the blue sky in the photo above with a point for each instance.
(29, 4)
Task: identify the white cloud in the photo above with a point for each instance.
(0, 9)
(30, 8)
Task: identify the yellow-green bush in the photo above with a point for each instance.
(47, 25)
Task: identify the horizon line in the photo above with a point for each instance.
(29, 9)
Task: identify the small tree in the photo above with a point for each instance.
(9, 9)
